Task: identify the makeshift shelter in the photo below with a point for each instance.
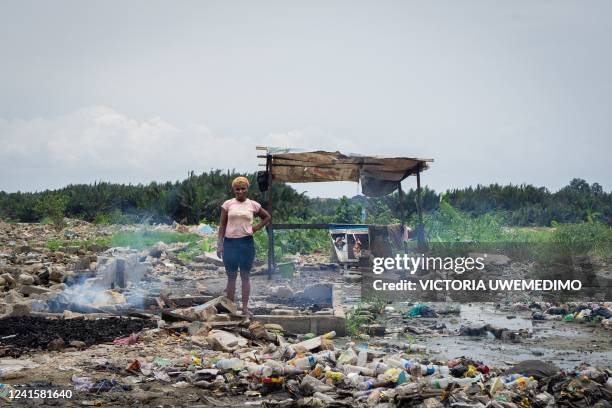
(378, 176)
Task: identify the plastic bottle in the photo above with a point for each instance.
(277, 367)
(512, 377)
(305, 362)
(324, 356)
(229, 364)
(260, 371)
(362, 357)
(372, 383)
(348, 356)
(347, 368)
(398, 362)
(431, 369)
(378, 367)
(354, 379)
(310, 383)
(329, 335)
(411, 347)
(323, 397)
(445, 381)
(373, 398)
(334, 375)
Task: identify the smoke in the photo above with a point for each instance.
(117, 284)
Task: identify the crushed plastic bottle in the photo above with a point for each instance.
(304, 362)
(378, 367)
(348, 356)
(347, 368)
(260, 371)
(229, 364)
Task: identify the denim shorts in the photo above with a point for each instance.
(238, 253)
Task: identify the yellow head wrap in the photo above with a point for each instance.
(240, 180)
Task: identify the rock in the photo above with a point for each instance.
(57, 273)
(23, 249)
(56, 345)
(198, 329)
(158, 249)
(33, 290)
(77, 344)
(13, 296)
(432, 403)
(9, 280)
(2, 282)
(274, 327)
(224, 341)
(20, 309)
(26, 279)
(221, 304)
(33, 269)
(318, 292)
(282, 292)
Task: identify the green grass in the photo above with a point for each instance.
(55, 244)
(145, 238)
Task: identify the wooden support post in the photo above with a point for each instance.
(402, 215)
(422, 245)
(269, 227)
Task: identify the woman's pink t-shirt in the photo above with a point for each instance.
(240, 217)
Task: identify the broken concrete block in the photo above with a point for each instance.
(284, 312)
(20, 309)
(198, 329)
(56, 345)
(57, 273)
(221, 340)
(313, 343)
(9, 280)
(222, 304)
(319, 292)
(25, 279)
(210, 257)
(33, 290)
(282, 292)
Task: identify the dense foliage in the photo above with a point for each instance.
(199, 197)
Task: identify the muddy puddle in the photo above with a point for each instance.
(566, 344)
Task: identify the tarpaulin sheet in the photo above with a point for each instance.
(378, 175)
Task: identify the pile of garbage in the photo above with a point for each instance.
(251, 360)
(582, 312)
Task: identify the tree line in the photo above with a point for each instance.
(199, 197)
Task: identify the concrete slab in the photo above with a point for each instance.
(317, 324)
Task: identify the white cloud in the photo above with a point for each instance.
(100, 144)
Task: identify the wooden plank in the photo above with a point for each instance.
(301, 226)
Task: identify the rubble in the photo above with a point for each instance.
(157, 333)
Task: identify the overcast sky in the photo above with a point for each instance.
(135, 91)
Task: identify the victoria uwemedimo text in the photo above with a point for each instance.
(480, 285)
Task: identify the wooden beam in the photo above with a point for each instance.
(269, 229)
(300, 226)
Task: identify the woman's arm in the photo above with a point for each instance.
(265, 219)
(222, 227)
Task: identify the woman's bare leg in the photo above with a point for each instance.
(246, 290)
(231, 287)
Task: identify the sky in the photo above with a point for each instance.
(136, 91)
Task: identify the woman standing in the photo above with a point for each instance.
(235, 244)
